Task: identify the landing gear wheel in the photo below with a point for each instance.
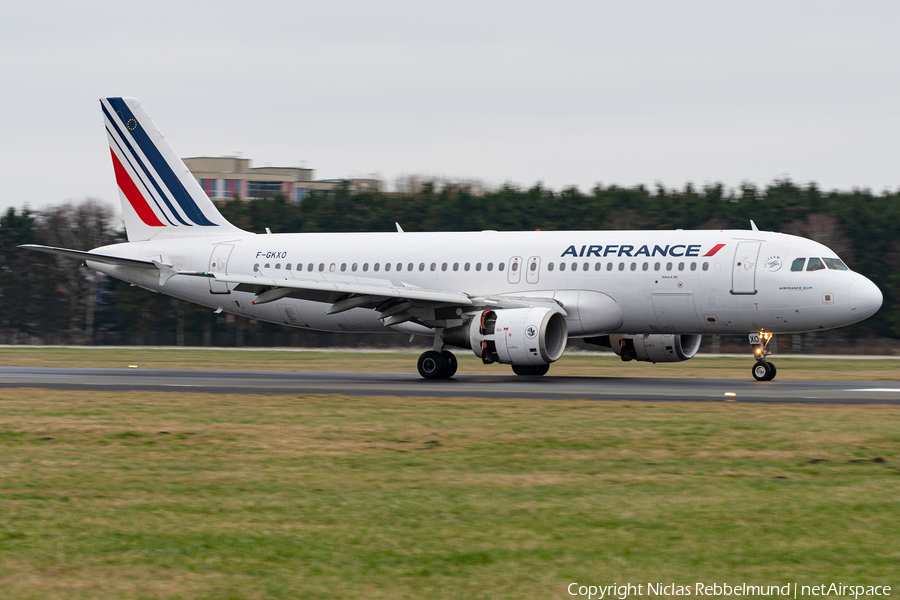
(450, 364)
(529, 370)
(431, 365)
(763, 371)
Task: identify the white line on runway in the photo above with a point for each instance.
(897, 390)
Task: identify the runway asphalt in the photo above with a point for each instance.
(492, 386)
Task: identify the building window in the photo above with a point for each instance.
(263, 189)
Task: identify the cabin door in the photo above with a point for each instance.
(533, 269)
(743, 277)
(218, 263)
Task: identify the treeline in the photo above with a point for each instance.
(48, 300)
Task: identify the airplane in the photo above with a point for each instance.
(513, 297)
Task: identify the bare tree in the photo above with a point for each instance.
(81, 227)
(825, 229)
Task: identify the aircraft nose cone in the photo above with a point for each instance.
(865, 299)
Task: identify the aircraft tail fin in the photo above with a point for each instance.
(160, 197)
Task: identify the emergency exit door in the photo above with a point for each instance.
(218, 263)
(743, 277)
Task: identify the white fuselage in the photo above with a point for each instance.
(660, 280)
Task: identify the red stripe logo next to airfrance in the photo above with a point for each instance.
(715, 249)
(135, 198)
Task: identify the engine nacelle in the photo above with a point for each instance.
(513, 336)
(653, 348)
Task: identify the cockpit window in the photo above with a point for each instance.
(797, 265)
(835, 264)
(815, 264)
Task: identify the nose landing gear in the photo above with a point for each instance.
(763, 370)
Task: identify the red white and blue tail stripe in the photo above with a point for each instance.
(160, 196)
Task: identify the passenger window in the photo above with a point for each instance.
(609, 266)
(574, 266)
(444, 267)
(277, 265)
(706, 266)
(365, 266)
(321, 267)
(467, 266)
(287, 267)
(596, 266)
(256, 267)
(490, 266)
(549, 266)
(835, 264)
(681, 266)
(634, 266)
(267, 265)
(515, 267)
(387, 266)
(353, 268)
(562, 266)
(332, 267)
(501, 266)
(477, 266)
(421, 266)
(586, 266)
(645, 266)
(343, 267)
(797, 265)
(376, 266)
(309, 267)
(456, 266)
(433, 266)
(814, 264)
(399, 266)
(668, 266)
(656, 266)
(693, 266)
(621, 266)
(409, 267)
(533, 267)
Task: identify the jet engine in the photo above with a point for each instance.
(513, 336)
(651, 347)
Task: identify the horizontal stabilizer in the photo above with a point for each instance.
(91, 256)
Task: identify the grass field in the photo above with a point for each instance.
(168, 495)
(789, 368)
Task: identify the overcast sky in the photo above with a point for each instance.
(565, 93)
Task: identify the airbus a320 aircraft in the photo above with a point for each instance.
(510, 297)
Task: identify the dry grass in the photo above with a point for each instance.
(790, 368)
(184, 495)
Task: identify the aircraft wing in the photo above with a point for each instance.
(395, 304)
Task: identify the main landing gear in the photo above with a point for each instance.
(529, 370)
(437, 365)
(763, 370)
